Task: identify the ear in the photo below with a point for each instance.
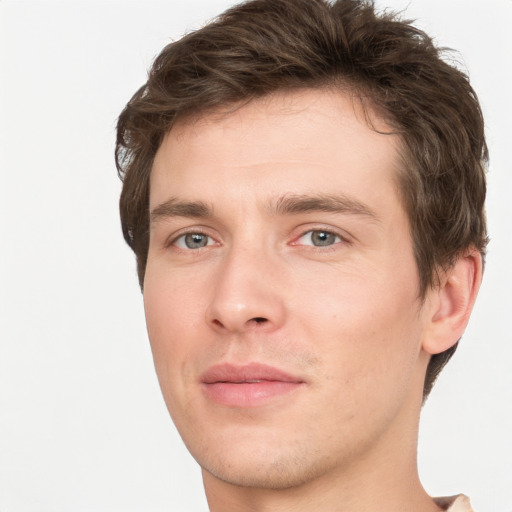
(451, 303)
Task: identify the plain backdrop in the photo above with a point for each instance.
(83, 426)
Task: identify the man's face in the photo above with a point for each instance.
(281, 290)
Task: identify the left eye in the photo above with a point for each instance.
(319, 238)
(193, 241)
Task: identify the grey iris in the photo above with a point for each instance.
(196, 240)
(320, 238)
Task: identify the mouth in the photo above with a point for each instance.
(248, 385)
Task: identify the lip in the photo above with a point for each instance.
(249, 385)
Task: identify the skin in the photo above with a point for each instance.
(344, 317)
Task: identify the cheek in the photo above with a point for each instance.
(171, 318)
(172, 306)
(364, 329)
(170, 325)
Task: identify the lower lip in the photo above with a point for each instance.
(248, 394)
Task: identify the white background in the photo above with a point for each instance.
(82, 424)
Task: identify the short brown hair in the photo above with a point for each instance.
(263, 46)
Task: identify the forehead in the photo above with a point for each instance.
(290, 141)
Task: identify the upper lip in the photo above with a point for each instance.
(252, 372)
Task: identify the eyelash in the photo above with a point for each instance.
(337, 240)
(175, 240)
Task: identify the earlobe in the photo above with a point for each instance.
(451, 303)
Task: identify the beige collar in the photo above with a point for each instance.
(458, 503)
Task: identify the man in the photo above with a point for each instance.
(303, 189)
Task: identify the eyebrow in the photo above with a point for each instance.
(176, 208)
(290, 204)
(338, 203)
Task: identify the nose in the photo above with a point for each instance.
(247, 294)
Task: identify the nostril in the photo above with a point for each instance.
(259, 319)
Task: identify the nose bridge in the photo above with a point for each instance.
(246, 294)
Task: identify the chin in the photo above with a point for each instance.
(262, 465)
(272, 476)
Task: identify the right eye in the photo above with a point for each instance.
(319, 238)
(193, 241)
